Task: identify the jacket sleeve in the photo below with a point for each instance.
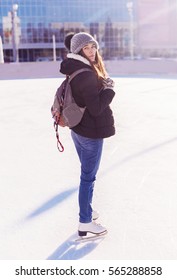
(95, 101)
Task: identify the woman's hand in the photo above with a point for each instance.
(108, 83)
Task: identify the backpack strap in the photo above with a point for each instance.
(59, 144)
(75, 73)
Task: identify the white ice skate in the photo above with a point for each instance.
(95, 231)
(95, 215)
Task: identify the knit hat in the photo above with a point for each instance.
(79, 40)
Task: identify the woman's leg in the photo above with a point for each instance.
(89, 152)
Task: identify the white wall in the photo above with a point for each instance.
(29, 70)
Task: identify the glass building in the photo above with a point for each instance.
(35, 27)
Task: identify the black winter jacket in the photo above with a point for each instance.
(97, 121)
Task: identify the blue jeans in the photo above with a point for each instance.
(89, 152)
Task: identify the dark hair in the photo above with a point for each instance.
(67, 40)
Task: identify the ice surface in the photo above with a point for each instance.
(136, 188)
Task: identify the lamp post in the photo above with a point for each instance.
(1, 52)
(54, 47)
(14, 33)
(130, 11)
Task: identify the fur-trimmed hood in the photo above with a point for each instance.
(72, 63)
(78, 57)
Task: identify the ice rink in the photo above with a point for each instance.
(136, 188)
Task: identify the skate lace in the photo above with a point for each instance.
(99, 225)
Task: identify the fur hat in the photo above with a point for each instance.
(79, 40)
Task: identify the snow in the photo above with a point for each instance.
(136, 188)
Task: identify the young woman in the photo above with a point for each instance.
(93, 90)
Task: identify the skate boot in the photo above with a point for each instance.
(95, 215)
(91, 227)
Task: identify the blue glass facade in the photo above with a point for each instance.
(40, 19)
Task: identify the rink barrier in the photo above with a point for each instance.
(32, 70)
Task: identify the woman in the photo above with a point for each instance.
(93, 90)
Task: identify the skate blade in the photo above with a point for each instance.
(91, 237)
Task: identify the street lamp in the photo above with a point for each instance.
(1, 52)
(14, 32)
(54, 47)
(130, 11)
